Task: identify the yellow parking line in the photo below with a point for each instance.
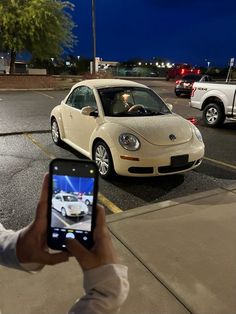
(102, 199)
(63, 221)
(111, 206)
(220, 163)
(30, 137)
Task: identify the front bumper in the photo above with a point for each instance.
(158, 161)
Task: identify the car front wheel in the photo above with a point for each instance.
(56, 137)
(103, 159)
(63, 212)
(87, 202)
(213, 115)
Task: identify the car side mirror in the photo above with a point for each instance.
(89, 111)
(170, 106)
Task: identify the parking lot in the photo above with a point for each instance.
(26, 149)
(176, 233)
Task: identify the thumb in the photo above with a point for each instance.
(42, 208)
(77, 250)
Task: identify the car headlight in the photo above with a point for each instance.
(198, 134)
(129, 141)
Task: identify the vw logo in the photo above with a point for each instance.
(172, 137)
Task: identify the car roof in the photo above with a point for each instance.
(103, 83)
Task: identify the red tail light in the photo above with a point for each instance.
(198, 71)
(182, 71)
(193, 120)
(177, 82)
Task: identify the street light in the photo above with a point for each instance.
(94, 36)
(208, 63)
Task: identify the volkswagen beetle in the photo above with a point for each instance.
(127, 129)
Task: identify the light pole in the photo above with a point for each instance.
(94, 36)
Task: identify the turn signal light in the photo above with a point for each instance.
(129, 158)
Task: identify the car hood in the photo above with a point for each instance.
(79, 205)
(158, 130)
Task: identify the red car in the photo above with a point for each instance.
(180, 70)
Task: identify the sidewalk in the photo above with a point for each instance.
(181, 256)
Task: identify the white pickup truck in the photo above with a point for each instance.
(216, 100)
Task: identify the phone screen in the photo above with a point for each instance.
(72, 202)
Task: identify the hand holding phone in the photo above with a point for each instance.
(72, 200)
(31, 243)
(103, 252)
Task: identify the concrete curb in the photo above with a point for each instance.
(166, 204)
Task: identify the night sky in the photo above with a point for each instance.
(179, 31)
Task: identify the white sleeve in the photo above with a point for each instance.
(106, 289)
(8, 258)
(8, 240)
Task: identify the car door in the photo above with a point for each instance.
(66, 113)
(81, 126)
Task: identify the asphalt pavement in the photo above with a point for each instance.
(180, 253)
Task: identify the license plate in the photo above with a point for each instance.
(178, 161)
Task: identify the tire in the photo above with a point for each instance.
(103, 159)
(55, 132)
(63, 212)
(87, 202)
(177, 94)
(213, 115)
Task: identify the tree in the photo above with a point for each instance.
(40, 27)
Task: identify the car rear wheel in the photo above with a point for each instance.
(103, 159)
(177, 94)
(213, 115)
(56, 137)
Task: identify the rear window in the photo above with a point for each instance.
(191, 77)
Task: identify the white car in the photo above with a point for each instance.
(127, 129)
(69, 205)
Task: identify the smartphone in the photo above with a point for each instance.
(72, 199)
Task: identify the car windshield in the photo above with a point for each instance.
(70, 198)
(131, 101)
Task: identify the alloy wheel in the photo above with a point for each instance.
(102, 159)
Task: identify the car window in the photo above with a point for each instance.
(205, 78)
(191, 77)
(115, 100)
(70, 198)
(81, 97)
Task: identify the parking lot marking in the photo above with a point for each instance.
(46, 95)
(30, 137)
(106, 202)
(63, 221)
(102, 199)
(220, 163)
